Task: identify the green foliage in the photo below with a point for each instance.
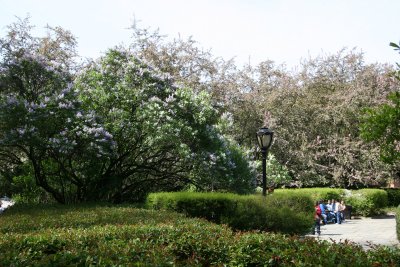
(211, 206)
(367, 202)
(43, 125)
(393, 196)
(114, 131)
(124, 236)
(277, 174)
(315, 111)
(166, 116)
(23, 188)
(315, 116)
(276, 213)
(126, 92)
(317, 193)
(59, 235)
(287, 213)
(381, 125)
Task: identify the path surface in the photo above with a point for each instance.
(364, 231)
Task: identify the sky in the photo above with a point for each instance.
(251, 31)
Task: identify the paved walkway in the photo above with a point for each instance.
(364, 231)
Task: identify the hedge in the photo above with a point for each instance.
(286, 213)
(210, 206)
(126, 236)
(317, 193)
(393, 196)
(367, 202)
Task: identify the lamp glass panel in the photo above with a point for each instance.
(259, 139)
(266, 140)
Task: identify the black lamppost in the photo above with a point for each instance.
(264, 138)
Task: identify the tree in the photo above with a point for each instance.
(315, 114)
(315, 111)
(41, 120)
(382, 124)
(166, 136)
(114, 130)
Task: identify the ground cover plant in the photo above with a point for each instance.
(123, 235)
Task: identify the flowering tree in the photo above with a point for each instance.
(42, 123)
(114, 130)
(166, 137)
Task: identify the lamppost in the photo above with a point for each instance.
(264, 138)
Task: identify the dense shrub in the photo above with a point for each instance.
(367, 202)
(317, 193)
(257, 213)
(274, 250)
(125, 236)
(298, 200)
(211, 206)
(393, 196)
(283, 212)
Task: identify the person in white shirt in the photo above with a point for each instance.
(342, 208)
(336, 210)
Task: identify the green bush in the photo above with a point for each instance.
(298, 200)
(210, 206)
(367, 202)
(289, 213)
(393, 196)
(253, 214)
(126, 236)
(317, 193)
(283, 212)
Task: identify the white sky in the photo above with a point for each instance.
(281, 30)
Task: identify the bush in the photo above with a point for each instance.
(210, 206)
(367, 202)
(393, 196)
(286, 213)
(318, 193)
(126, 236)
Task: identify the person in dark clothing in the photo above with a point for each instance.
(323, 212)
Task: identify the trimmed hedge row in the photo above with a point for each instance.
(368, 202)
(316, 194)
(364, 202)
(286, 213)
(211, 206)
(125, 236)
(393, 196)
(284, 205)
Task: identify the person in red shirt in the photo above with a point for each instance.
(317, 218)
